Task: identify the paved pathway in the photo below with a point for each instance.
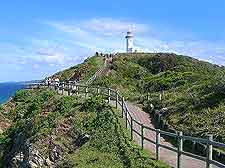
(167, 156)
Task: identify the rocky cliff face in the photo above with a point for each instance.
(24, 154)
(27, 154)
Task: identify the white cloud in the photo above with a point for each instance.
(109, 26)
(101, 34)
(107, 34)
(68, 43)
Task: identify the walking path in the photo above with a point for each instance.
(167, 156)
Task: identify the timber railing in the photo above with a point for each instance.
(71, 88)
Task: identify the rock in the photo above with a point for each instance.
(48, 162)
(36, 159)
(152, 106)
(157, 112)
(23, 160)
(82, 139)
(12, 156)
(163, 110)
(23, 155)
(55, 152)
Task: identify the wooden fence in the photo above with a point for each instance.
(71, 88)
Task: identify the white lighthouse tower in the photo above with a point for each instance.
(130, 42)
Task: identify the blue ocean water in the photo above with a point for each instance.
(9, 89)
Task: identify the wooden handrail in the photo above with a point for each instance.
(125, 110)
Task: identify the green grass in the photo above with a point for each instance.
(39, 114)
(109, 145)
(192, 90)
(86, 69)
(91, 158)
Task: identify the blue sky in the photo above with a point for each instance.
(38, 38)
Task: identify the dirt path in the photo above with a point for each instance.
(167, 156)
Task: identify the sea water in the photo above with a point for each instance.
(8, 90)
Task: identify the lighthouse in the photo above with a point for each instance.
(129, 42)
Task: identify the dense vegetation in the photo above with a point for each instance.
(64, 131)
(192, 90)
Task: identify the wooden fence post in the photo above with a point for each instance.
(69, 88)
(193, 146)
(98, 90)
(148, 96)
(158, 121)
(77, 89)
(157, 144)
(109, 94)
(58, 87)
(131, 128)
(86, 91)
(73, 88)
(142, 136)
(55, 86)
(179, 149)
(122, 105)
(126, 116)
(209, 151)
(62, 88)
(117, 99)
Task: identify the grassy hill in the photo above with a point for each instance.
(192, 90)
(67, 131)
(81, 71)
(50, 130)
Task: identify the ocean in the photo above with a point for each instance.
(9, 89)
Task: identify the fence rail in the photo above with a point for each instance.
(111, 95)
